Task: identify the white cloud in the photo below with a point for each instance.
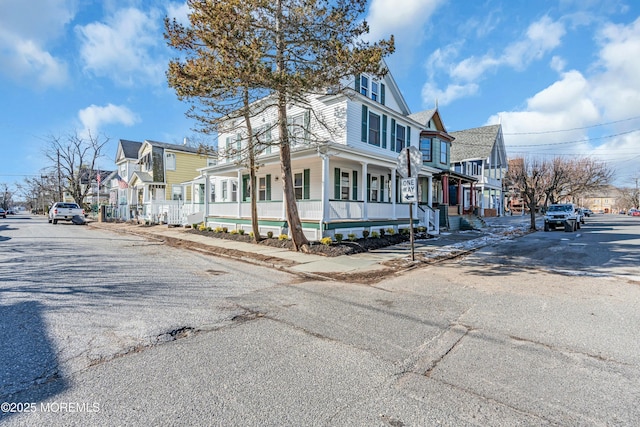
(447, 96)
(94, 117)
(179, 11)
(24, 36)
(541, 37)
(128, 47)
(387, 17)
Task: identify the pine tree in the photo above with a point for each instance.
(280, 50)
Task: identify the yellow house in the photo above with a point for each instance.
(158, 186)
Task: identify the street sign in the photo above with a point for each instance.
(409, 190)
(414, 160)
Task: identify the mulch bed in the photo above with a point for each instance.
(346, 247)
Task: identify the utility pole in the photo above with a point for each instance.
(59, 177)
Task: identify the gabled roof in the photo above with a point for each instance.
(395, 90)
(143, 177)
(476, 143)
(173, 147)
(127, 149)
(424, 117)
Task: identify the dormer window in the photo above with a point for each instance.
(374, 91)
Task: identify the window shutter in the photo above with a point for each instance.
(382, 188)
(354, 185)
(408, 136)
(306, 184)
(382, 93)
(357, 83)
(369, 187)
(268, 189)
(384, 131)
(336, 183)
(393, 135)
(364, 129)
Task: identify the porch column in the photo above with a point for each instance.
(239, 193)
(430, 191)
(445, 190)
(365, 196)
(393, 193)
(207, 193)
(461, 197)
(325, 191)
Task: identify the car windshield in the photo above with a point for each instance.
(68, 205)
(560, 208)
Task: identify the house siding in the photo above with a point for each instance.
(187, 166)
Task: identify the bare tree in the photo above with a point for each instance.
(531, 177)
(73, 162)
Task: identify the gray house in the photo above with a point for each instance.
(480, 153)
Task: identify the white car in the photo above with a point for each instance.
(563, 215)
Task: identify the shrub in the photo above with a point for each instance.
(251, 234)
(202, 226)
(326, 241)
(225, 230)
(422, 229)
(194, 226)
(208, 229)
(351, 236)
(365, 234)
(235, 232)
(241, 231)
(391, 231)
(217, 230)
(339, 237)
(270, 234)
(283, 237)
(375, 235)
(405, 231)
(382, 231)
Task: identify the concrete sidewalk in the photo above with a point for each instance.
(384, 260)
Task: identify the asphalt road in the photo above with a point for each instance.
(542, 330)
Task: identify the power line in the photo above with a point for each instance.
(572, 129)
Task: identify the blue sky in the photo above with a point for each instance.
(563, 76)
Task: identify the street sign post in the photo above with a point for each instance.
(410, 159)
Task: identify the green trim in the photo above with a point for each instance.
(354, 185)
(384, 131)
(271, 223)
(393, 135)
(336, 183)
(306, 184)
(376, 223)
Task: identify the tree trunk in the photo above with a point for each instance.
(255, 227)
(300, 241)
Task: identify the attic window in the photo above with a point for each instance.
(364, 85)
(374, 91)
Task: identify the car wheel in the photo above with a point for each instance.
(546, 227)
(55, 221)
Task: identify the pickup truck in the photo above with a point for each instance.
(63, 211)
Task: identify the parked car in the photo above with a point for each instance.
(3, 213)
(587, 212)
(562, 215)
(634, 212)
(61, 211)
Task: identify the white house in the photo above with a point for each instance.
(344, 151)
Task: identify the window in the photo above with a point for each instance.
(374, 189)
(212, 196)
(345, 185)
(400, 138)
(374, 91)
(374, 129)
(176, 192)
(264, 138)
(171, 161)
(297, 127)
(443, 151)
(225, 190)
(364, 85)
(264, 187)
(211, 162)
(425, 149)
(298, 185)
(234, 191)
